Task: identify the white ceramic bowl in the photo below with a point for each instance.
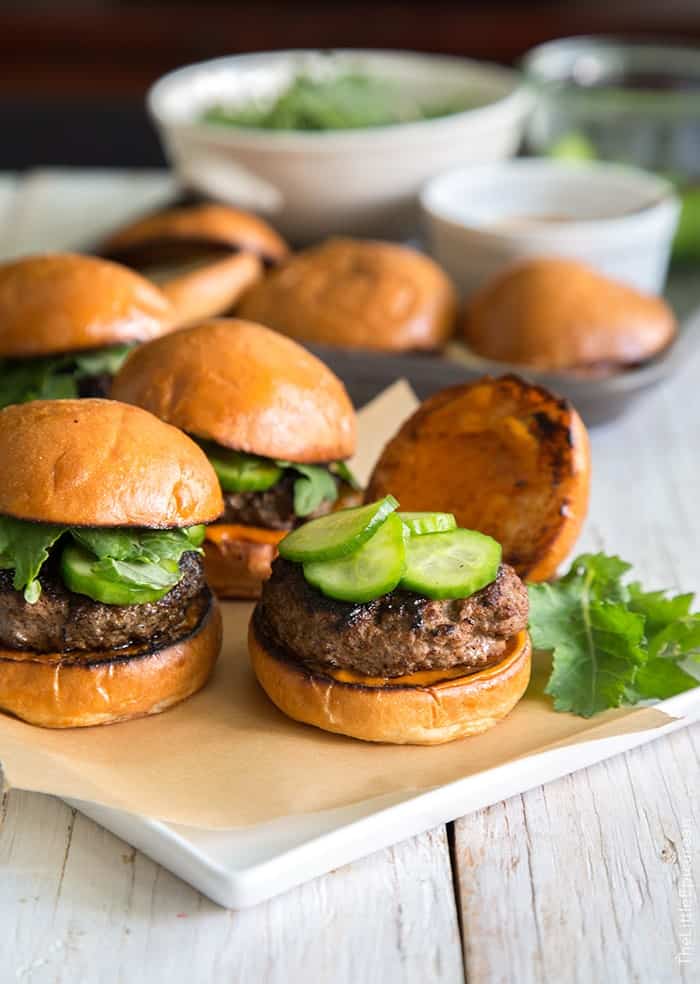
(619, 220)
(312, 184)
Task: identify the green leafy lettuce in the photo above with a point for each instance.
(313, 484)
(55, 377)
(140, 558)
(612, 642)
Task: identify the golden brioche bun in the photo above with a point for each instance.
(102, 463)
(193, 229)
(69, 690)
(507, 458)
(245, 387)
(555, 314)
(212, 288)
(358, 294)
(399, 714)
(63, 302)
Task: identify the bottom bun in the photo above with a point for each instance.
(79, 690)
(401, 714)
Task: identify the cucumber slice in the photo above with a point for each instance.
(79, 575)
(239, 472)
(450, 565)
(338, 534)
(419, 523)
(369, 572)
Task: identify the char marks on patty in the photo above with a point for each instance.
(61, 621)
(397, 634)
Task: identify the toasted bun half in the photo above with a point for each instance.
(245, 387)
(507, 458)
(179, 233)
(65, 691)
(556, 315)
(400, 714)
(357, 294)
(102, 463)
(212, 288)
(64, 302)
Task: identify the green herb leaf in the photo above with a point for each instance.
(22, 380)
(24, 548)
(612, 643)
(148, 558)
(55, 377)
(104, 360)
(138, 573)
(156, 546)
(314, 486)
(341, 469)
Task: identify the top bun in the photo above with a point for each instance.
(64, 302)
(507, 458)
(556, 314)
(100, 463)
(245, 387)
(180, 232)
(358, 294)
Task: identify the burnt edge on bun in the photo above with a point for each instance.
(117, 685)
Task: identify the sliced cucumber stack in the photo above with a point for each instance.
(337, 534)
(454, 564)
(239, 472)
(369, 572)
(419, 523)
(357, 555)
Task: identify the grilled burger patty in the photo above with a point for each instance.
(61, 621)
(272, 509)
(397, 634)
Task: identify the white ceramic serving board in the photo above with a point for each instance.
(241, 867)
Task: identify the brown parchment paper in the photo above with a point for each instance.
(227, 757)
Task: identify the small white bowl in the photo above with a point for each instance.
(313, 184)
(620, 220)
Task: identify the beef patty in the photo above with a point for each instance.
(61, 621)
(272, 509)
(393, 635)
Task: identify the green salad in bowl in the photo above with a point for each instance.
(349, 101)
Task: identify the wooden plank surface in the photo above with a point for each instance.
(78, 904)
(576, 881)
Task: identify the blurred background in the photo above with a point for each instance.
(73, 75)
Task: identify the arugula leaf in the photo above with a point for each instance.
(143, 557)
(612, 643)
(596, 646)
(24, 548)
(154, 546)
(22, 380)
(104, 360)
(139, 573)
(341, 469)
(315, 485)
(55, 377)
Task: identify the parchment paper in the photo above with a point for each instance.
(227, 757)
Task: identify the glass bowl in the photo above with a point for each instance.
(615, 100)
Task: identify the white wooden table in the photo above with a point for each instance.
(593, 878)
